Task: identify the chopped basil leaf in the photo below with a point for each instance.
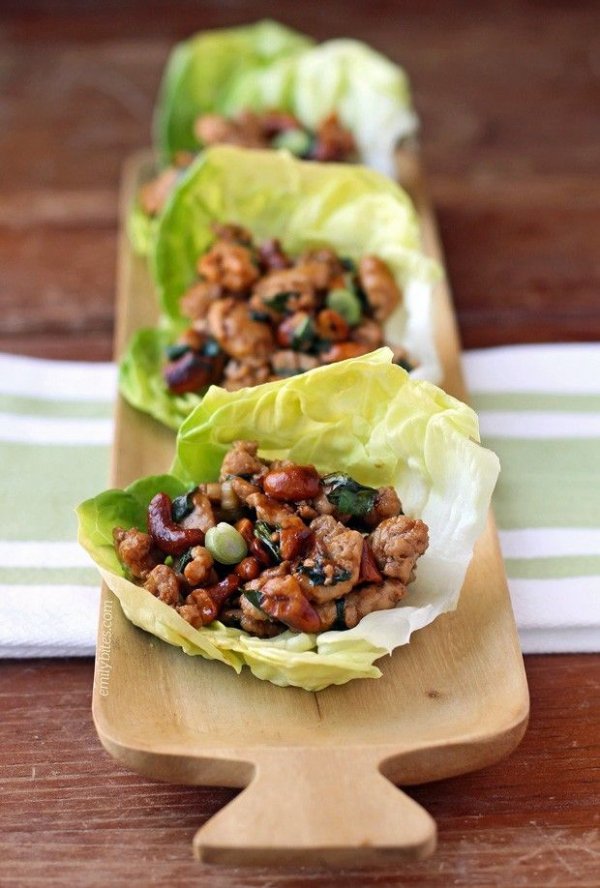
(254, 597)
(182, 506)
(183, 561)
(406, 365)
(178, 350)
(347, 495)
(315, 573)
(260, 316)
(263, 532)
(317, 576)
(279, 301)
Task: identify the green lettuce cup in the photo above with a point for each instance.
(141, 379)
(204, 71)
(267, 66)
(351, 209)
(366, 417)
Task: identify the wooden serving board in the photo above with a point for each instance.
(318, 767)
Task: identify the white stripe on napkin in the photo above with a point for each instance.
(47, 430)
(555, 369)
(549, 542)
(43, 553)
(57, 380)
(557, 616)
(538, 424)
(61, 621)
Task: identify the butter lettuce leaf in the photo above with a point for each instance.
(366, 417)
(369, 93)
(141, 377)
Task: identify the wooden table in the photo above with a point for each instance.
(508, 94)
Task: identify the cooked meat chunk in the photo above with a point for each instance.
(368, 332)
(244, 130)
(196, 301)
(272, 255)
(202, 515)
(342, 351)
(154, 194)
(163, 583)
(333, 141)
(242, 460)
(238, 375)
(241, 337)
(232, 233)
(202, 606)
(199, 570)
(286, 362)
(136, 550)
(379, 286)
(387, 505)
(336, 554)
(322, 268)
(229, 265)
(288, 290)
(322, 505)
(372, 597)
(275, 514)
(282, 599)
(256, 621)
(243, 489)
(397, 543)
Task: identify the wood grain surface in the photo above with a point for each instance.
(508, 93)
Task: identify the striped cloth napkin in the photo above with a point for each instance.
(539, 409)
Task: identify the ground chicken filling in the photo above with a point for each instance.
(257, 315)
(267, 129)
(275, 546)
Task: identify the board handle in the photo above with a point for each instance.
(317, 807)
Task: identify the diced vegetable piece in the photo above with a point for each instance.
(346, 303)
(296, 141)
(347, 495)
(225, 543)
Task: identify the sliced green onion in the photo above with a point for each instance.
(303, 334)
(225, 543)
(295, 141)
(346, 303)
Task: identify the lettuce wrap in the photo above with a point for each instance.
(203, 71)
(265, 65)
(354, 210)
(366, 417)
